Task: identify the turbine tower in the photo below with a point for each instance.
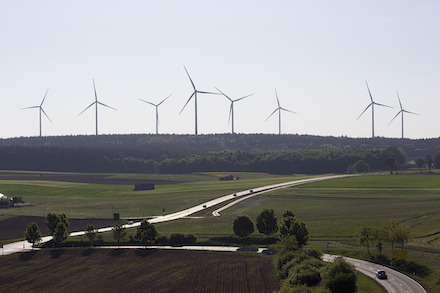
(279, 112)
(194, 94)
(231, 111)
(157, 111)
(41, 110)
(372, 109)
(401, 112)
(96, 103)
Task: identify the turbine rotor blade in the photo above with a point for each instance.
(102, 104)
(163, 100)
(242, 98)
(401, 108)
(224, 94)
(187, 102)
(364, 111)
(94, 88)
(287, 110)
(395, 116)
(87, 108)
(383, 105)
(410, 112)
(46, 115)
(277, 109)
(194, 87)
(278, 101)
(148, 102)
(44, 98)
(33, 107)
(371, 97)
(209, 93)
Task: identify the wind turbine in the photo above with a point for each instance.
(41, 109)
(157, 111)
(401, 112)
(195, 98)
(96, 102)
(372, 108)
(231, 111)
(279, 111)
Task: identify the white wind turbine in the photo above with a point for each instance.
(96, 102)
(279, 112)
(157, 111)
(194, 94)
(401, 112)
(40, 107)
(231, 111)
(372, 108)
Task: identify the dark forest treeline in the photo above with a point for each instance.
(181, 146)
(102, 160)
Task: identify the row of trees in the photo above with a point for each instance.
(393, 234)
(290, 228)
(57, 225)
(429, 161)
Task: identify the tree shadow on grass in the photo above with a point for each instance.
(88, 252)
(145, 252)
(57, 253)
(117, 252)
(25, 256)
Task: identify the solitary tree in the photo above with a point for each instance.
(360, 166)
(437, 160)
(366, 237)
(267, 222)
(341, 277)
(379, 236)
(119, 232)
(60, 234)
(429, 162)
(243, 226)
(420, 162)
(391, 164)
(291, 226)
(52, 220)
(146, 232)
(32, 233)
(400, 234)
(90, 232)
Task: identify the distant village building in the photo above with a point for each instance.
(5, 202)
(143, 186)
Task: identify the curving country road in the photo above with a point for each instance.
(396, 282)
(24, 245)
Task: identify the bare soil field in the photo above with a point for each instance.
(136, 270)
(14, 227)
(79, 178)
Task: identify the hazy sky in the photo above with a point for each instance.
(317, 54)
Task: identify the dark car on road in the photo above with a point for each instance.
(381, 275)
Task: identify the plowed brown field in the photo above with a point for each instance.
(137, 270)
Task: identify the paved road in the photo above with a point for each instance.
(396, 282)
(245, 194)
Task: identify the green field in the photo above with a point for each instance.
(334, 210)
